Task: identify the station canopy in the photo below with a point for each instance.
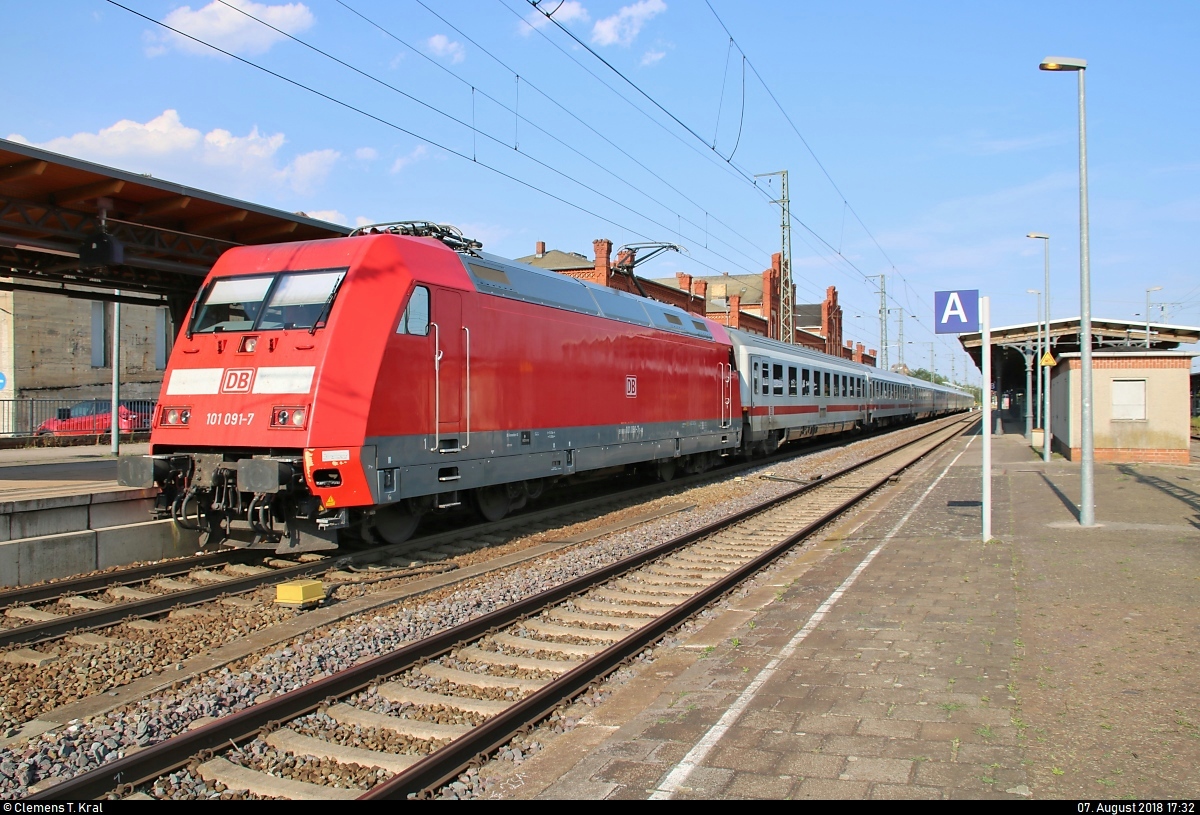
(73, 227)
(1107, 335)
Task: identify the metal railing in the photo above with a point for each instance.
(72, 417)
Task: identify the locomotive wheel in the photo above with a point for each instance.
(493, 502)
(666, 469)
(394, 524)
(534, 488)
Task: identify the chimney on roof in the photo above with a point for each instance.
(701, 288)
(541, 248)
(603, 264)
(684, 280)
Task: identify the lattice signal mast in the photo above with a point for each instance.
(787, 289)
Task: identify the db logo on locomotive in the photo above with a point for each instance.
(631, 387)
(237, 380)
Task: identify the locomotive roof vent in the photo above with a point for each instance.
(448, 234)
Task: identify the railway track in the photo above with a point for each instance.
(445, 700)
(50, 611)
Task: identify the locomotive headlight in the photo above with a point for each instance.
(174, 416)
(291, 417)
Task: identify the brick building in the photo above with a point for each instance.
(749, 303)
(1140, 406)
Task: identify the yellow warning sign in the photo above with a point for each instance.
(329, 502)
(1048, 360)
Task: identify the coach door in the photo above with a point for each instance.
(451, 365)
(760, 393)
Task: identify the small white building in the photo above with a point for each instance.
(1140, 405)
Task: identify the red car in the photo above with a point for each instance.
(94, 417)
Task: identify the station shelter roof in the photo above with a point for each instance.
(1015, 342)
(52, 208)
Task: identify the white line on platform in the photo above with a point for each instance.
(674, 781)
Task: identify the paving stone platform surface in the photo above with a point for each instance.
(1051, 662)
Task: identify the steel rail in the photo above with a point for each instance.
(40, 632)
(120, 577)
(54, 629)
(444, 765)
(156, 760)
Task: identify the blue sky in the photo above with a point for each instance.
(930, 121)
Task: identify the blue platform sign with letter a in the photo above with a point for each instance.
(955, 312)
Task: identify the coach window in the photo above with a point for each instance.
(793, 383)
(777, 379)
(415, 319)
(804, 379)
(766, 379)
(825, 391)
(836, 384)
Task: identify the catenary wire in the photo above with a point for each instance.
(560, 141)
(406, 131)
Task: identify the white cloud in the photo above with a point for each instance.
(569, 11)
(651, 57)
(229, 28)
(363, 220)
(623, 27)
(366, 154)
(419, 152)
(168, 148)
(442, 46)
(330, 215)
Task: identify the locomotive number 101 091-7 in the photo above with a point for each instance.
(229, 418)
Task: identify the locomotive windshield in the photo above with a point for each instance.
(267, 302)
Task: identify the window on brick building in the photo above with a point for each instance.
(1129, 400)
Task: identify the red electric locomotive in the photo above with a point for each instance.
(357, 383)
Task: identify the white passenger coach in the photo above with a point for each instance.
(790, 392)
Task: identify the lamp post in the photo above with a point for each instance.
(1045, 371)
(1037, 356)
(1087, 491)
(1152, 288)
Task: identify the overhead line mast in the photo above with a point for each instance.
(787, 288)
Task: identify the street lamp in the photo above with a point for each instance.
(1044, 372)
(1036, 362)
(1087, 492)
(1152, 288)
